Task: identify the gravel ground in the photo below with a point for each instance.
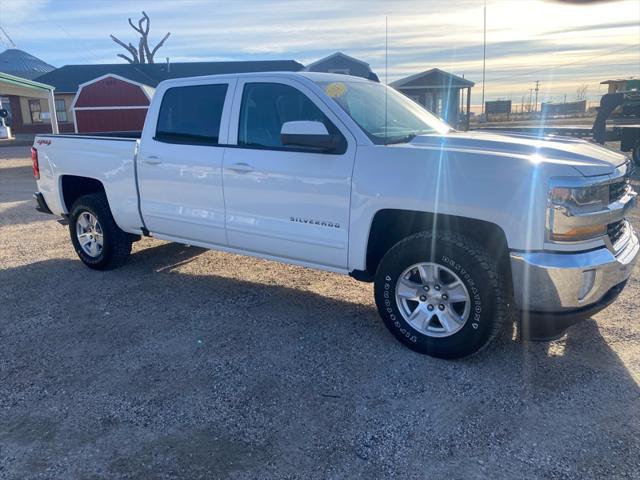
(194, 364)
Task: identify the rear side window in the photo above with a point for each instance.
(266, 106)
(191, 114)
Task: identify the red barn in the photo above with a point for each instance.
(111, 103)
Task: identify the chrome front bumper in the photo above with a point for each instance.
(559, 282)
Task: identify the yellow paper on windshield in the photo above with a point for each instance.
(336, 89)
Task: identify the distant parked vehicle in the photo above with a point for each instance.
(332, 172)
(626, 105)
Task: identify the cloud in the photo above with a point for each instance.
(18, 11)
(438, 33)
(604, 26)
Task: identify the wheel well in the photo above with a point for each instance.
(390, 226)
(74, 187)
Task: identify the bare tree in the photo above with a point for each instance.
(581, 93)
(141, 54)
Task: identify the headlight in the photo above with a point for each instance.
(577, 213)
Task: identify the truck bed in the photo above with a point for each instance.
(108, 158)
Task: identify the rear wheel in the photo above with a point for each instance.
(441, 294)
(98, 241)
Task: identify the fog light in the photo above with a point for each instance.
(588, 280)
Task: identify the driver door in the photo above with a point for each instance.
(287, 202)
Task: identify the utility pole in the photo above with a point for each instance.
(11, 42)
(484, 54)
(522, 105)
(530, 98)
(535, 107)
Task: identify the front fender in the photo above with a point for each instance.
(508, 191)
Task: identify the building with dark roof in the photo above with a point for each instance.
(441, 93)
(67, 79)
(117, 88)
(19, 63)
(339, 62)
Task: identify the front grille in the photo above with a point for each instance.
(616, 231)
(618, 189)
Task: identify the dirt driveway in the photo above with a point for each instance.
(194, 364)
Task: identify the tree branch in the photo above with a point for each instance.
(130, 48)
(145, 16)
(145, 35)
(143, 53)
(139, 30)
(126, 58)
(155, 49)
(142, 46)
(148, 52)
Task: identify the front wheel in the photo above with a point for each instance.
(98, 241)
(440, 294)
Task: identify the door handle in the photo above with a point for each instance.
(152, 160)
(241, 167)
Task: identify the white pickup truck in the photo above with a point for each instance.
(457, 229)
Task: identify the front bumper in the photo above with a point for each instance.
(561, 283)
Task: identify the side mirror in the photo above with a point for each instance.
(4, 113)
(307, 134)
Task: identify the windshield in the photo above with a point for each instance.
(400, 121)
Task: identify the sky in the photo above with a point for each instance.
(564, 45)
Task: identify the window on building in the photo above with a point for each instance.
(35, 111)
(191, 115)
(267, 106)
(4, 104)
(61, 110)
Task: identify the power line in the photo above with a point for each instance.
(12, 44)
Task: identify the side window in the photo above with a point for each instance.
(267, 106)
(34, 110)
(61, 110)
(191, 114)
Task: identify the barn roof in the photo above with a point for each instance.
(67, 79)
(19, 63)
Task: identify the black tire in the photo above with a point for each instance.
(474, 267)
(116, 243)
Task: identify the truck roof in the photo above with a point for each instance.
(313, 76)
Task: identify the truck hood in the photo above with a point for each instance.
(588, 158)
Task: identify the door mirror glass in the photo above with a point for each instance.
(308, 134)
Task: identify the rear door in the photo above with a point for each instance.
(287, 202)
(180, 162)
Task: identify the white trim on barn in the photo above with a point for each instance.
(148, 90)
